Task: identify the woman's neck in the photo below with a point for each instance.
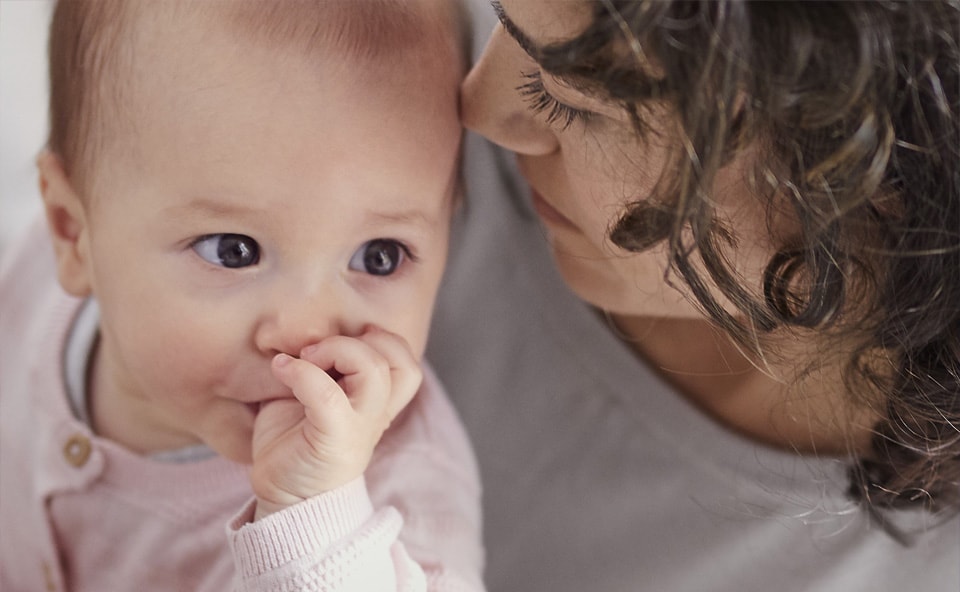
(762, 400)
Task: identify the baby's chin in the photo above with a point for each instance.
(238, 450)
(233, 441)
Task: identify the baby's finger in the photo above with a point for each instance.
(365, 372)
(406, 374)
(323, 400)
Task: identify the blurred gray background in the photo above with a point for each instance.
(23, 111)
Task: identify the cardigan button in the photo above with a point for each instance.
(77, 450)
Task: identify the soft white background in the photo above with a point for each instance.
(23, 108)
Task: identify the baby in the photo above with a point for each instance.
(248, 205)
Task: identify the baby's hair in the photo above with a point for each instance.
(92, 52)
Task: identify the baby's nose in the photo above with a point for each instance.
(298, 322)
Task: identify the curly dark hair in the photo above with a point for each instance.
(856, 106)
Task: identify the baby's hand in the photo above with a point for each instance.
(324, 438)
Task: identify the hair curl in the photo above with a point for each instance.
(856, 106)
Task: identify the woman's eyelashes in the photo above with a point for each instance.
(227, 250)
(541, 101)
(382, 256)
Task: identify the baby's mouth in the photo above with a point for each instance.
(256, 406)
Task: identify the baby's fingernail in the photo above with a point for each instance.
(281, 360)
(308, 350)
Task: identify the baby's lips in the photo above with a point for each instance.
(257, 406)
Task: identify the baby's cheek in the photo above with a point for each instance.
(415, 330)
(183, 360)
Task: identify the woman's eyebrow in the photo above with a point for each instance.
(522, 39)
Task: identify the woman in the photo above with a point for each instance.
(760, 206)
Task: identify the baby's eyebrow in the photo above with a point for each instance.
(208, 206)
(411, 217)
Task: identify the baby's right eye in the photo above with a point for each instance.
(228, 250)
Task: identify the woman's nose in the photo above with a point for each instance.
(493, 107)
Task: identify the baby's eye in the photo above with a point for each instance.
(228, 250)
(380, 256)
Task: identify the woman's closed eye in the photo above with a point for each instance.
(227, 250)
(541, 101)
(382, 257)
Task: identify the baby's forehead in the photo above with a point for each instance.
(346, 29)
(226, 73)
(378, 42)
(381, 41)
(352, 29)
(400, 48)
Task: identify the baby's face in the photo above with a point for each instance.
(267, 201)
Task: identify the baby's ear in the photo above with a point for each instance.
(67, 222)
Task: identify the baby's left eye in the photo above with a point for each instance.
(380, 256)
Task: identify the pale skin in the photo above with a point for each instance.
(265, 252)
(581, 176)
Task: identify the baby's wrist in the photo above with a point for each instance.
(266, 507)
(282, 501)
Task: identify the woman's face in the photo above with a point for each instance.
(583, 171)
